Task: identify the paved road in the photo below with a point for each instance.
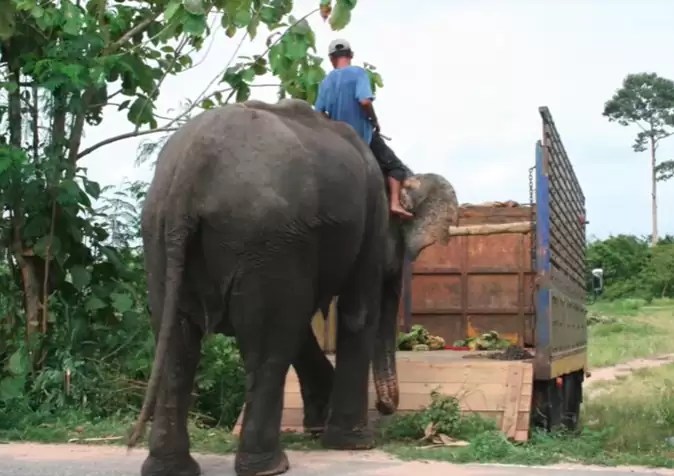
(77, 460)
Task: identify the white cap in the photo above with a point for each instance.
(338, 45)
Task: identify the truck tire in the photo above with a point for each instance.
(556, 402)
(573, 398)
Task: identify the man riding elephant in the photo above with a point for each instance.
(256, 217)
(346, 95)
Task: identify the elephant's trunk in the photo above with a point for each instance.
(384, 363)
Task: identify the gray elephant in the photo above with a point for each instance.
(257, 215)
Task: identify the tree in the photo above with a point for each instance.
(61, 63)
(665, 170)
(646, 100)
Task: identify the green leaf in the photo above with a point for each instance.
(17, 364)
(242, 18)
(301, 28)
(268, 15)
(9, 86)
(94, 304)
(73, 18)
(243, 93)
(140, 111)
(195, 7)
(172, 9)
(92, 188)
(248, 75)
(69, 193)
(7, 19)
(341, 15)
(252, 27)
(121, 302)
(81, 277)
(207, 104)
(11, 388)
(295, 47)
(230, 31)
(194, 24)
(315, 75)
(53, 243)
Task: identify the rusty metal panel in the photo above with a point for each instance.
(561, 331)
(476, 284)
(527, 286)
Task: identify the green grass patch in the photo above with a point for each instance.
(631, 329)
(629, 423)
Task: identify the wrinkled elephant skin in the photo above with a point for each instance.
(258, 215)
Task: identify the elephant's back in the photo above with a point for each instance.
(265, 163)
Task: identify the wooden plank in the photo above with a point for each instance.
(325, 330)
(499, 390)
(513, 392)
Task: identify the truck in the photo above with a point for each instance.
(526, 281)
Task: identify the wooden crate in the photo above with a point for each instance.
(500, 390)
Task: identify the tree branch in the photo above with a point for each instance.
(127, 135)
(78, 127)
(170, 66)
(203, 95)
(133, 31)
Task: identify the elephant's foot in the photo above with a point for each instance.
(336, 438)
(183, 465)
(261, 464)
(315, 417)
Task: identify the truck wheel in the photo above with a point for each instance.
(547, 405)
(573, 397)
(556, 402)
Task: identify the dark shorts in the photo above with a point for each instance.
(389, 162)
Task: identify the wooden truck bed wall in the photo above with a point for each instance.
(527, 285)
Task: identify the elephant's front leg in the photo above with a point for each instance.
(169, 440)
(315, 374)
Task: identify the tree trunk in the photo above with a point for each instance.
(654, 199)
(29, 281)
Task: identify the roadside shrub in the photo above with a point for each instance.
(444, 413)
(220, 382)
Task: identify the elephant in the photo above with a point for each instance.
(257, 215)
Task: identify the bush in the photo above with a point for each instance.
(220, 382)
(445, 413)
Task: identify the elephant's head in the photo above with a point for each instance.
(433, 201)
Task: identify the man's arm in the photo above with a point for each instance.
(365, 97)
(321, 100)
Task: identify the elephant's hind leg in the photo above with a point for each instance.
(169, 440)
(271, 311)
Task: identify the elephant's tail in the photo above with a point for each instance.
(175, 238)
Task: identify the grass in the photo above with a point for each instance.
(631, 422)
(620, 427)
(638, 330)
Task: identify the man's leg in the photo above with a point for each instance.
(394, 170)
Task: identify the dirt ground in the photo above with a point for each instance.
(617, 372)
(79, 460)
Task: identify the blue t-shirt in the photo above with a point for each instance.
(340, 93)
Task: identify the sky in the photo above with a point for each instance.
(463, 81)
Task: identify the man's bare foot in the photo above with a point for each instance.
(397, 209)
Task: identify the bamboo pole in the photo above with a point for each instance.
(491, 229)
